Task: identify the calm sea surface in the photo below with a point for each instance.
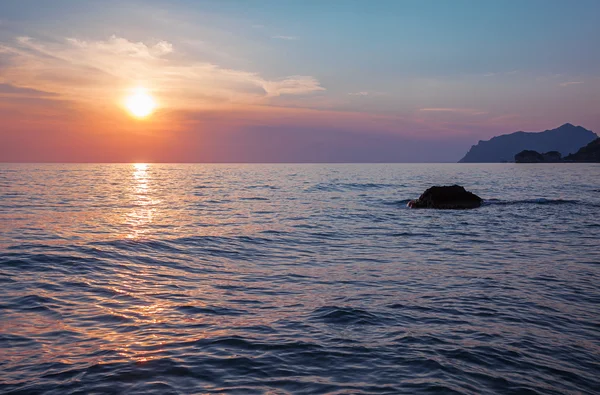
(276, 279)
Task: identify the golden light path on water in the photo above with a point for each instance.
(142, 201)
(136, 286)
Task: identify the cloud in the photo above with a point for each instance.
(17, 91)
(365, 93)
(100, 69)
(569, 83)
(464, 111)
(123, 47)
(294, 85)
(494, 74)
(289, 38)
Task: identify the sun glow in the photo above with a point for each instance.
(140, 104)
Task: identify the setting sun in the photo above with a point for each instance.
(140, 104)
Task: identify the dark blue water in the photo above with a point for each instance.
(274, 279)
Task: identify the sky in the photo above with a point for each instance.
(290, 81)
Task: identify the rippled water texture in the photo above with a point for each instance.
(165, 279)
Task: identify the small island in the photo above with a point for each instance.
(529, 156)
(587, 154)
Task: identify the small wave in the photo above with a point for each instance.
(272, 187)
(540, 201)
(409, 234)
(397, 203)
(345, 316)
(11, 339)
(33, 304)
(368, 185)
(274, 232)
(138, 245)
(109, 319)
(210, 310)
(189, 241)
(253, 198)
(339, 187)
(215, 201)
(500, 202)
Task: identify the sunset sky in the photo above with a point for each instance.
(290, 81)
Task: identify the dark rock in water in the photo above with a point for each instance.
(529, 156)
(589, 153)
(446, 197)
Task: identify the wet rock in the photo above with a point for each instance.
(452, 197)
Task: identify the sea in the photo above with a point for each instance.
(298, 279)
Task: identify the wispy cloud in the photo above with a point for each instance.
(121, 46)
(494, 74)
(365, 93)
(548, 77)
(289, 38)
(17, 91)
(92, 70)
(294, 85)
(464, 111)
(569, 83)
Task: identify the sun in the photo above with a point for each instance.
(140, 104)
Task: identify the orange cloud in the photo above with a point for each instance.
(94, 71)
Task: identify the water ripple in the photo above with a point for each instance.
(172, 279)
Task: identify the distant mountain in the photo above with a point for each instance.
(589, 153)
(565, 139)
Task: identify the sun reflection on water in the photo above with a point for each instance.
(142, 201)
